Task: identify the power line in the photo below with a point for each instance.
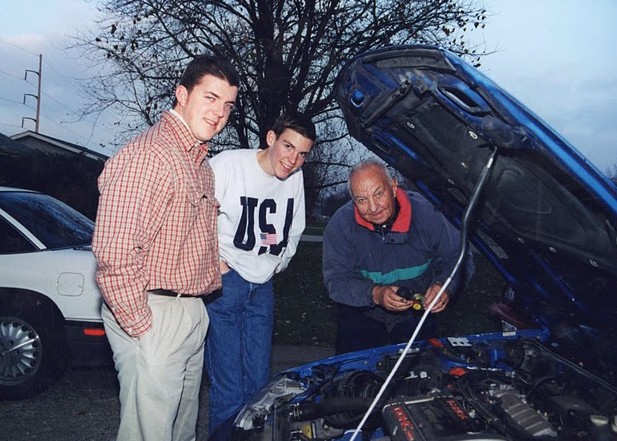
(11, 125)
(57, 75)
(10, 101)
(54, 85)
(10, 75)
(17, 46)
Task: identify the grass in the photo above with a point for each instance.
(305, 315)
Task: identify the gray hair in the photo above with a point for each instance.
(363, 165)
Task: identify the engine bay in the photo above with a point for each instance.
(447, 389)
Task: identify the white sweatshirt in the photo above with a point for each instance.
(261, 217)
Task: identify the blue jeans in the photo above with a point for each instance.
(238, 345)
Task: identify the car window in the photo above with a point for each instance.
(12, 241)
(53, 222)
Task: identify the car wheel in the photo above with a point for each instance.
(31, 356)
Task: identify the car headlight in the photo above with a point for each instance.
(279, 391)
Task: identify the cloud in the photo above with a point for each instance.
(29, 41)
(552, 56)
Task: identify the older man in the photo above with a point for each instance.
(382, 240)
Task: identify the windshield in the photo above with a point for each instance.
(53, 222)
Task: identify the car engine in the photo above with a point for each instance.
(452, 389)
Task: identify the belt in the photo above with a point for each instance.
(167, 293)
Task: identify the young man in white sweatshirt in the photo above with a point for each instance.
(260, 220)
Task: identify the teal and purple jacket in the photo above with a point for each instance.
(420, 248)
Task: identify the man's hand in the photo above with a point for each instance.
(431, 293)
(386, 297)
(224, 267)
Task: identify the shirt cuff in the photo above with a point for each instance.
(138, 326)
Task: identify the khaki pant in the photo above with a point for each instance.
(160, 372)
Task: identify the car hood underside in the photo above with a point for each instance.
(547, 217)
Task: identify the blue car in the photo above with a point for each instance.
(539, 211)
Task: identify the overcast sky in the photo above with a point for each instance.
(556, 56)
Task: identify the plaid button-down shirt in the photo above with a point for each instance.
(156, 222)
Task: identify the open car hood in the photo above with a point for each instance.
(546, 219)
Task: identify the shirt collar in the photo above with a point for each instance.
(177, 115)
(203, 146)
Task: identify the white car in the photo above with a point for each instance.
(50, 305)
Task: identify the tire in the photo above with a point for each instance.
(33, 353)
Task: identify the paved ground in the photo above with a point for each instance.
(83, 406)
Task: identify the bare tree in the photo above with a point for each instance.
(288, 53)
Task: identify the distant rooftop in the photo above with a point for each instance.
(40, 142)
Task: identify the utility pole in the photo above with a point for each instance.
(37, 118)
